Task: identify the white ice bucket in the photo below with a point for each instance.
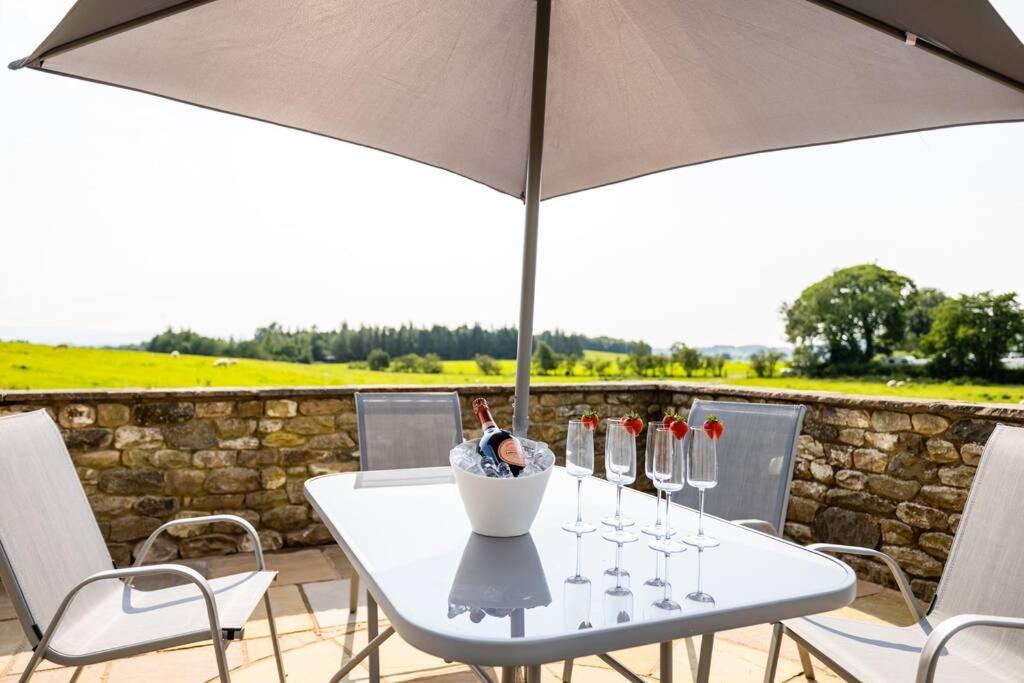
(503, 507)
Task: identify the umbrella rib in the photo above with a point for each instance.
(110, 31)
(922, 43)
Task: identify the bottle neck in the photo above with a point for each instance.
(483, 413)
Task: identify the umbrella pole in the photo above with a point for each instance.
(521, 411)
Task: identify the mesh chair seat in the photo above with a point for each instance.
(117, 617)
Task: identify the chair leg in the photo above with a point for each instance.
(533, 674)
(567, 671)
(30, 668)
(805, 661)
(707, 646)
(371, 633)
(273, 637)
(353, 594)
(508, 674)
(74, 676)
(773, 653)
(222, 659)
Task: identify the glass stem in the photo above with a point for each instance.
(579, 544)
(668, 527)
(700, 513)
(579, 501)
(666, 586)
(658, 521)
(618, 507)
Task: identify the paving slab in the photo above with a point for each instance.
(290, 613)
(302, 566)
(329, 601)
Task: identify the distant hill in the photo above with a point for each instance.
(743, 352)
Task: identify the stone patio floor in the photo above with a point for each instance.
(310, 599)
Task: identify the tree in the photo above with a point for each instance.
(687, 357)
(921, 305)
(763, 363)
(378, 359)
(545, 360)
(487, 365)
(856, 312)
(971, 334)
(408, 362)
(431, 364)
(570, 364)
(640, 357)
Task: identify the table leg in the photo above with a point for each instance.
(666, 662)
(533, 674)
(508, 674)
(707, 644)
(371, 633)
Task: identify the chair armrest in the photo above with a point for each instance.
(187, 573)
(758, 525)
(949, 628)
(207, 519)
(893, 565)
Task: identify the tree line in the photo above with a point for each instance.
(346, 344)
(855, 319)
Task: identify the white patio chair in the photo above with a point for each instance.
(979, 594)
(74, 606)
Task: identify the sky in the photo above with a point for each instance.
(122, 214)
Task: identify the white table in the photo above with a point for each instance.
(507, 602)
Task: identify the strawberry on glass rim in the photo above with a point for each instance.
(632, 423)
(670, 417)
(713, 427)
(589, 419)
(679, 429)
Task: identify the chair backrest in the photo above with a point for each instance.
(984, 572)
(755, 459)
(399, 430)
(49, 539)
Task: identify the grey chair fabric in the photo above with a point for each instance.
(50, 545)
(755, 459)
(399, 430)
(984, 575)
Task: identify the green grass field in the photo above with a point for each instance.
(33, 366)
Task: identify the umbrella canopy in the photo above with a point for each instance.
(600, 90)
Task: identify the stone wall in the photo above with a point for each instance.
(882, 473)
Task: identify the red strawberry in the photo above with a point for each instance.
(713, 427)
(632, 423)
(670, 417)
(679, 429)
(589, 419)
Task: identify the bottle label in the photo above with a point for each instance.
(511, 452)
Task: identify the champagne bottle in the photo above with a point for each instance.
(497, 446)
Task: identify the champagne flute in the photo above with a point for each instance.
(701, 474)
(576, 607)
(669, 468)
(579, 463)
(657, 529)
(620, 469)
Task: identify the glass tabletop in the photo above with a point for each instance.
(553, 594)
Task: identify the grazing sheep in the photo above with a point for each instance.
(175, 354)
(221, 363)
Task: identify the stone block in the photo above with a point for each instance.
(250, 409)
(310, 425)
(977, 431)
(971, 453)
(232, 480)
(870, 460)
(914, 561)
(924, 590)
(846, 417)
(945, 497)
(896, 533)
(76, 415)
(337, 440)
(808, 489)
(258, 458)
(941, 451)
(801, 533)
(960, 477)
(105, 507)
(928, 424)
(211, 544)
(272, 477)
(286, 518)
(270, 541)
(191, 530)
(888, 421)
(164, 413)
(135, 481)
(130, 436)
(164, 549)
(112, 414)
(234, 427)
(840, 456)
(242, 443)
(283, 440)
(846, 527)
(860, 501)
(280, 408)
(851, 479)
(936, 544)
(921, 516)
(264, 500)
(890, 487)
(87, 439)
(214, 458)
(851, 436)
(156, 506)
(166, 459)
(822, 471)
(297, 456)
(184, 482)
(321, 406)
(317, 534)
(222, 501)
(954, 522)
(881, 441)
(907, 466)
(215, 408)
(196, 435)
(317, 469)
(99, 460)
(802, 509)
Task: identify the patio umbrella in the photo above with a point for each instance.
(541, 98)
